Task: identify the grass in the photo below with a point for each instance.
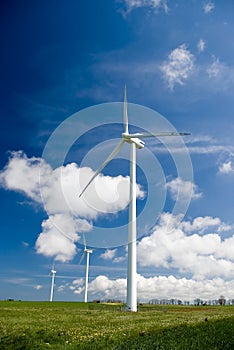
(60, 325)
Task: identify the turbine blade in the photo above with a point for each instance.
(84, 240)
(81, 259)
(111, 156)
(125, 111)
(158, 134)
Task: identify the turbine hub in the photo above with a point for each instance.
(128, 138)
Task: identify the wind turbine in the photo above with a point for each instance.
(135, 143)
(52, 272)
(87, 252)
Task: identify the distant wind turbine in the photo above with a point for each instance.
(52, 273)
(135, 142)
(87, 252)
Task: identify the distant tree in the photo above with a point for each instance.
(222, 300)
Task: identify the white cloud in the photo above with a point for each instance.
(114, 289)
(119, 259)
(159, 287)
(200, 224)
(226, 168)
(181, 288)
(201, 45)
(208, 6)
(178, 67)
(62, 288)
(59, 235)
(101, 286)
(225, 227)
(59, 188)
(104, 195)
(77, 286)
(221, 73)
(216, 68)
(202, 256)
(174, 72)
(183, 189)
(152, 4)
(108, 254)
(21, 174)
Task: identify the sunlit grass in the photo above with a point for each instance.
(60, 325)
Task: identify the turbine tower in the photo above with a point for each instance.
(52, 272)
(135, 143)
(87, 252)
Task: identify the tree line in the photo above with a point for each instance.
(198, 302)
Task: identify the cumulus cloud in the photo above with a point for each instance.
(226, 167)
(178, 67)
(108, 254)
(193, 248)
(188, 249)
(183, 189)
(205, 224)
(21, 174)
(58, 189)
(152, 4)
(180, 288)
(107, 288)
(62, 192)
(208, 7)
(201, 224)
(59, 235)
(149, 288)
(77, 286)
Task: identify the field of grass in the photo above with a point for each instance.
(60, 325)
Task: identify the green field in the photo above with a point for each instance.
(60, 325)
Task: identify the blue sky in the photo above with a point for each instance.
(58, 60)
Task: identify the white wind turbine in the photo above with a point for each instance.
(52, 273)
(135, 142)
(87, 252)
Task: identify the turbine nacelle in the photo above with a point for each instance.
(88, 251)
(138, 142)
